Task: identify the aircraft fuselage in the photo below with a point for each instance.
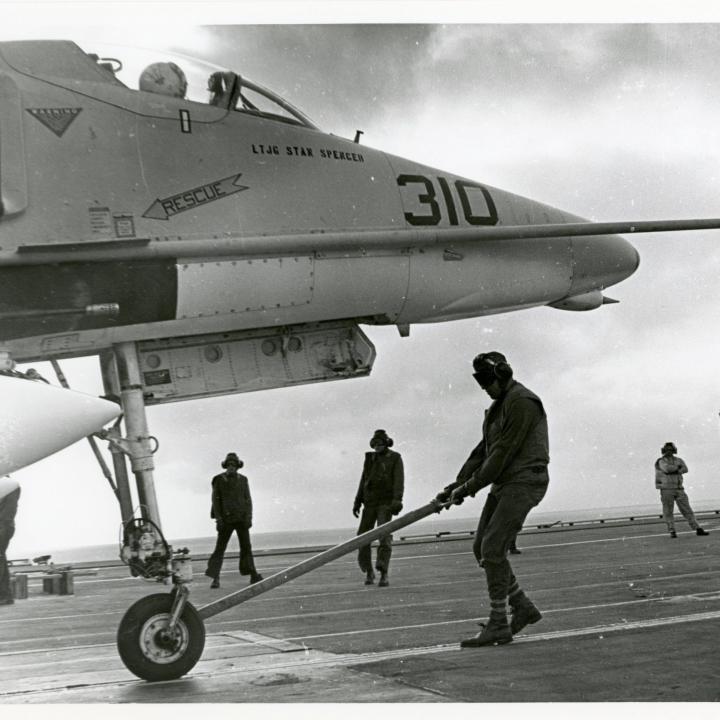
(187, 218)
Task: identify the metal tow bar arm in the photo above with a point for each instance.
(317, 561)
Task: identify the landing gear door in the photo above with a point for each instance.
(204, 366)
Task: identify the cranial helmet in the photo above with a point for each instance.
(668, 447)
(164, 78)
(232, 457)
(381, 436)
(491, 366)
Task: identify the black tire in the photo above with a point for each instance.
(151, 656)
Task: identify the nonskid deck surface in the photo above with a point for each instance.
(629, 614)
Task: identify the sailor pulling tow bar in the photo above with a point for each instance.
(162, 636)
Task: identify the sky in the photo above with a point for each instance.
(608, 120)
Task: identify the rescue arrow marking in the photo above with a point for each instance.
(164, 209)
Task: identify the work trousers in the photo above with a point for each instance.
(501, 520)
(375, 515)
(676, 495)
(6, 534)
(215, 561)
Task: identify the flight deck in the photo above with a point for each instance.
(629, 615)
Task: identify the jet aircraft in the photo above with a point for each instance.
(210, 241)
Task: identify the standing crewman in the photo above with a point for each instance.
(669, 471)
(512, 457)
(232, 511)
(9, 496)
(380, 494)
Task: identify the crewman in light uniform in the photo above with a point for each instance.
(669, 471)
(9, 495)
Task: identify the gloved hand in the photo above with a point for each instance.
(396, 507)
(459, 494)
(219, 525)
(356, 508)
(444, 495)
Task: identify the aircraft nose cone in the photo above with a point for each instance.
(599, 262)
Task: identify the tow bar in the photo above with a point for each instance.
(162, 638)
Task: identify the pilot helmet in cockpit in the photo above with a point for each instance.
(163, 78)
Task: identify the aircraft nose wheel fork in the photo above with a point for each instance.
(160, 638)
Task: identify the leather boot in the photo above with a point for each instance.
(494, 632)
(522, 615)
(384, 582)
(369, 577)
(700, 531)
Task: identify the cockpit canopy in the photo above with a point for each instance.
(160, 73)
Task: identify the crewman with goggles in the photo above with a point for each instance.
(512, 457)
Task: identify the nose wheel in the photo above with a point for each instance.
(154, 650)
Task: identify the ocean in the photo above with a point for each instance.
(333, 536)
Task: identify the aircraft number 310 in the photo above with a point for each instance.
(427, 196)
